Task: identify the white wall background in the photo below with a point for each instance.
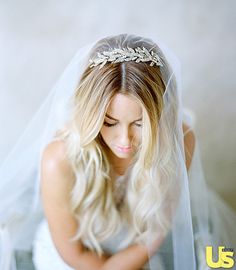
(39, 37)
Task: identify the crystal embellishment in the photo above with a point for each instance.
(126, 54)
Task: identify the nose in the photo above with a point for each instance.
(125, 137)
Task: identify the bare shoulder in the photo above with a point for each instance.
(54, 157)
(56, 171)
(189, 144)
(54, 153)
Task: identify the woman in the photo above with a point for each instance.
(117, 107)
(114, 177)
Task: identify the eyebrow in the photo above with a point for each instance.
(112, 118)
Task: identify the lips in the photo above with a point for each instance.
(124, 149)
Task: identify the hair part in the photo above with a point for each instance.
(92, 198)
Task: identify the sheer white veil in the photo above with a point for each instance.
(20, 208)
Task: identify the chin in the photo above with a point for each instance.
(122, 155)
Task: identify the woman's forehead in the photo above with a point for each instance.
(122, 105)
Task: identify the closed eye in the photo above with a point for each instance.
(112, 125)
(108, 124)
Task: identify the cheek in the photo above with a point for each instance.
(106, 134)
(138, 134)
(139, 138)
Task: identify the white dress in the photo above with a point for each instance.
(46, 256)
(221, 218)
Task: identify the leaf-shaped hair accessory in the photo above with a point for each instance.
(117, 55)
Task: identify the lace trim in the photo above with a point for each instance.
(120, 187)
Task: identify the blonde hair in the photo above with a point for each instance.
(92, 197)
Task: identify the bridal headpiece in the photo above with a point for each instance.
(21, 206)
(126, 54)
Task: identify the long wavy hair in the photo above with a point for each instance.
(92, 199)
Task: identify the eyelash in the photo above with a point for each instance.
(109, 125)
(112, 125)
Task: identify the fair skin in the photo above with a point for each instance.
(121, 130)
(57, 179)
